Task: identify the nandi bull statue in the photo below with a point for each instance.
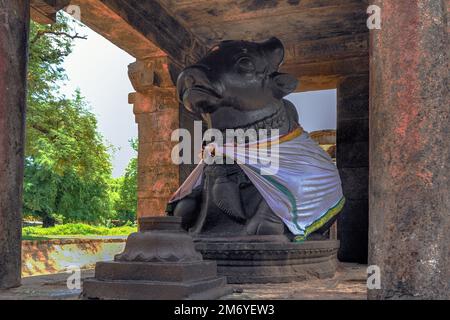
(237, 86)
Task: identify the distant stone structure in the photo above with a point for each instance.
(327, 140)
(404, 196)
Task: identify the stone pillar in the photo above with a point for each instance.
(14, 27)
(157, 114)
(352, 159)
(409, 185)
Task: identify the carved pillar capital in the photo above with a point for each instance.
(153, 100)
(155, 89)
(150, 73)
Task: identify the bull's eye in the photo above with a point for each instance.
(245, 65)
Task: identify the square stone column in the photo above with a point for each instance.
(156, 108)
(410, 151)
(352, 159)
(14, 28)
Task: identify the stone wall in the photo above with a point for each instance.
(59, 255)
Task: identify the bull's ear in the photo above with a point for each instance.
(274, 50)
(283, 84)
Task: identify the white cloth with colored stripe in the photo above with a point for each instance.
(305, 188)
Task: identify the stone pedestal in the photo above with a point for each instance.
(260, 260)
(159, 263)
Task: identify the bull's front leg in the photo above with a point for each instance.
(187, 208)
(265, 222)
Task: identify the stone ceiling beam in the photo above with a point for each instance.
(108, 23)
(320, 64)
(44, 11)
(334, 48)
(148, 29)
(207, 11)
(290, 27)
(144, 29)
(326, 74)
(157, 25)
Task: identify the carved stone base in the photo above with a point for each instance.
(271, 262)
(156, 281)
(159, 262)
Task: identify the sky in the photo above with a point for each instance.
(99, 69)
(316, 109)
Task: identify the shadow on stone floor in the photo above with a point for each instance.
(348, 283)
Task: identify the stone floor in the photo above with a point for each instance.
(348, 283)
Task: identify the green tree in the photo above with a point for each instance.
(68, 167)
(126, 200)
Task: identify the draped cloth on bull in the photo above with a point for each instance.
(303, 188)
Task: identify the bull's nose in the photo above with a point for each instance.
(193, 76)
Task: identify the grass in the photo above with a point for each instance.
(74, 230)
(35, 238)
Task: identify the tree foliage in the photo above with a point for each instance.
(68, 167)
(126, 200)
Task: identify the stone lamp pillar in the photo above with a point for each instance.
(159, 263)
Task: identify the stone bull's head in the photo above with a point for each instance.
(236, 83)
